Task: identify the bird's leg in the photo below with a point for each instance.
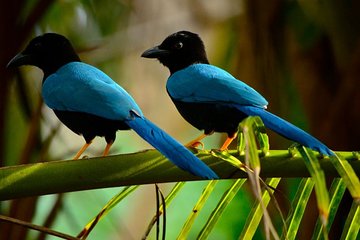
(107, 148)
(197, 141)
(86, 145)
(227, 142)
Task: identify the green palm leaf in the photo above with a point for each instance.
(140, 168)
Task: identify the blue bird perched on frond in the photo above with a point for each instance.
(90, 103)
(211, 99)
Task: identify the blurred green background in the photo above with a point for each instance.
(303, 56)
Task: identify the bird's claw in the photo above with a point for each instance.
(196, 144)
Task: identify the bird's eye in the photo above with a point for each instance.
(178, 45)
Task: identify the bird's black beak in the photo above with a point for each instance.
(19, 60)
(154, 52)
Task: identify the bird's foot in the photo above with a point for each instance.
(196, 144)
(107, 148)
(227, 143)
(82, 150)
(223, 149)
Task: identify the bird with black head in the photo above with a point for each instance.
(211, 99)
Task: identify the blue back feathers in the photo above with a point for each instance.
(206, 83)
(80, 87)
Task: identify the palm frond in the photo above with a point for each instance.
(142, 168)
(247, 161)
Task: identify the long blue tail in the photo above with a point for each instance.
(286, 129)
(170, 148)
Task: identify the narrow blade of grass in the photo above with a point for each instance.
(240, 143)
(251, 126)
(174, 191)
(337, 191)
(256, 213)
(347, 173)
(352, 224)
(219, 209)
(251, 153)
(112, 203)
(160, 198)
(298, 207)
(318, 176)
(260, 132)
(196, 210)
(226, 156)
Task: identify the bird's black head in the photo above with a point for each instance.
(48, 52)
(178, 51)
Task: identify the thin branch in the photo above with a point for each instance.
(36, 227)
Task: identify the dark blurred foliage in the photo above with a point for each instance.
(15, 31)
(304, 56)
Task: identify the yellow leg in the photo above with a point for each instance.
(86, 145)
(227, 142)
(197, 141)
(107, 148)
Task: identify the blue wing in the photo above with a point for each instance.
(206, 83)
(80, 87)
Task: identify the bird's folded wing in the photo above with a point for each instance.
(83, 88)
(207, 83)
